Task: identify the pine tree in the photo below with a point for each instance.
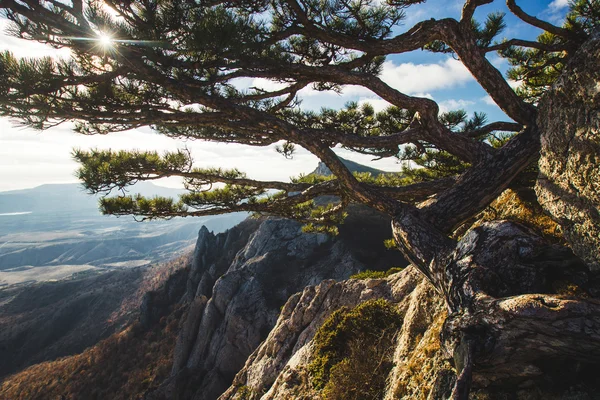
(172, 65)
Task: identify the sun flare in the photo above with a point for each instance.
(105, 40)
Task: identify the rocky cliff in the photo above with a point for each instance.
(281, 367)
(569, 183)
(239, 281)
(383, 338)
(265, 311)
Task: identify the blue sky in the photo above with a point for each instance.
(29, 158)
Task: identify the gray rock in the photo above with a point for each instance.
(277, 369)
(569, 183)
(246, 275)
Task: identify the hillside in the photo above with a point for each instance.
(231, 295)
(266, 311)
(49, 320)
(352, 166)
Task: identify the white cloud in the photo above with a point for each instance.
(514, 84)
(452, 104)
(412, 78)
(488, 100)
(26, 48)
(409, 78)
(558, 4)
(267, 84)
(376, 103)
(30, 158)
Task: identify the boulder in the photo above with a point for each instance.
(568, 186)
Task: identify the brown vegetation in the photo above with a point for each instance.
(124, 366)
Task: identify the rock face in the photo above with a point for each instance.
(569, 183)
(278, 368)
(239, 281)
(283, 367)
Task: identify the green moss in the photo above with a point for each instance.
(244, 393)
(368, 274)
(352, 351)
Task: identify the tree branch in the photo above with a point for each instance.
(526, 43)
(531, 20)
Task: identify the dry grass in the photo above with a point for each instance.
(522, 207)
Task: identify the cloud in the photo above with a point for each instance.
(488, 100)
(514, 84)
(558, 5)
(30, 158)
(412, 78)
(452, 105)
(377, 103)
(409, 78)
(27, 48)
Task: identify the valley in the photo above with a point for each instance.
(53, 231)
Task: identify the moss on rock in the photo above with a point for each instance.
(352, 353)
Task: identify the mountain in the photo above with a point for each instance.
(48, 320)
(51, 231)
(265, 311)
(351, 165)
(67, 197)
(226, 302)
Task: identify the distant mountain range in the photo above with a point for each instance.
(59, 227)
(351, 165)
(68, 197)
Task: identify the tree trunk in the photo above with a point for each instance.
(507, 321)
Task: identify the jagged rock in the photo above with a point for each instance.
(188, 332)
(247, 274)
(278, 368)
(424, 365)
(569, 183)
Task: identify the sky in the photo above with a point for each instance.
(31, 158)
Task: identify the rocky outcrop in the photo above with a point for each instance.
(278, 368)
(239, 281)
(569, 183)
(424, 366)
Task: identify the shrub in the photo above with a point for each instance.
(352, 353)
(368, 274)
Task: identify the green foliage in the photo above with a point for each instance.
(155, 207)
(228, 196)
(287, 149)
(104, 170)
(368, 274)
(390, 244)
(354, 119)
(339, 347)
(387, 179)
(537, 69)
(326, 218)
(176, 67)
(244, 393)
(428, 162)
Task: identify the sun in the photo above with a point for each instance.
(105, 40)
